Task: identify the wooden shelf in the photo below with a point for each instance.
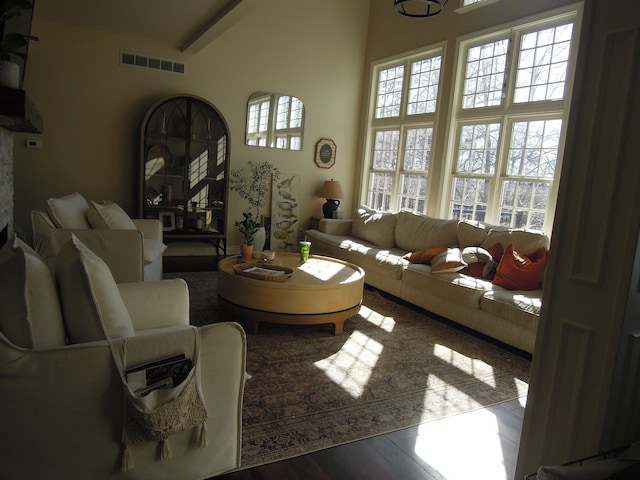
(17, 111)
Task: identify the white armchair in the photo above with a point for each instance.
(132, 248)
(62, 405)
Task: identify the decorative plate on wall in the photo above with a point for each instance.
(325, 153)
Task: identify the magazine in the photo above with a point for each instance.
(265, 271)
(165, 373)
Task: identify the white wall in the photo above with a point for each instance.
(92, 106)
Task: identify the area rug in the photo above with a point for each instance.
(393, 367)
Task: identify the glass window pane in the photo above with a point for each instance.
(423, 90)
(380, 190)
(417, 150)
(478, 148)
(413, 190)
(389, 93)
(543, 62)
(533, 151)
(385, 154)
(485, 75)
(523, 204)
(469, 198)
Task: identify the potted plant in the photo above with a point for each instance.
(254, 186)
(12, 43)
(248, 228)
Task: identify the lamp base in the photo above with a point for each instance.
(329, 207)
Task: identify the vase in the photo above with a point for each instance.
(246, 251)
(258, 240)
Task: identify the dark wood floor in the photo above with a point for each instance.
(479, 445)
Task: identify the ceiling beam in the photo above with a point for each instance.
(223, 20)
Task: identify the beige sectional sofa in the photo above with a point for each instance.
(379, 243)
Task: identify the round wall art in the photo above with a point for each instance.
(325, 153)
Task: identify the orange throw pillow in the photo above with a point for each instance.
(424, 256)
(520, 272)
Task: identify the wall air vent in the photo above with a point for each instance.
(152, 63)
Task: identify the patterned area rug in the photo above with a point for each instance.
(393, 367)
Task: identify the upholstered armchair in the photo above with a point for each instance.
(132, 248)
(62, 402)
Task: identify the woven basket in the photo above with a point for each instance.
(241, 269)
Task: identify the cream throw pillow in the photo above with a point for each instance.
(92, 305)
(30, 314)
(109, 215)
(69, 212)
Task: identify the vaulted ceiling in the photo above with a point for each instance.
(188, 25)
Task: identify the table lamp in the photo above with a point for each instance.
(331, 191)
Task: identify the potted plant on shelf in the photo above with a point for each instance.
(248, 228)
(254, 186)
(12, 43)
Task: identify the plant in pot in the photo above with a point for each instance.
(12, 43)
(248, 228)
(253, 184)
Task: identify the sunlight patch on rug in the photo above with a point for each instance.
(377, 319)
(472, 366)
(352, 366)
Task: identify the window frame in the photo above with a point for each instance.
(508, 112)
(444, 148)
(401, 123)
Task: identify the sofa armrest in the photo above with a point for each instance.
(150, 227)
(335, 226)
(158, 304)
(72, 397)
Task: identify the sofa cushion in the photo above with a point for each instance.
(328, 244)
(371, 258)
(448, 261)
(519, 307)
(109, 215)
(472, 233)
(92, 305)
(69, 212)
(517, 271)
(374, 226)
(461, 289)
(30, 314)
(418, 232)
(524, 241)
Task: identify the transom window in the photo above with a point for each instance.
(502, 156)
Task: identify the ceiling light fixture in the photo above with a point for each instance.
(419, 8)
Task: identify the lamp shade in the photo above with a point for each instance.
(331, 189)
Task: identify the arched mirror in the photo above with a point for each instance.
(275, 121)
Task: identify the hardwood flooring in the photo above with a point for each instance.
(478, 445)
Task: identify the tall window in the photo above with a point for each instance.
(501, 160)
(406, 102)
(509, 126)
